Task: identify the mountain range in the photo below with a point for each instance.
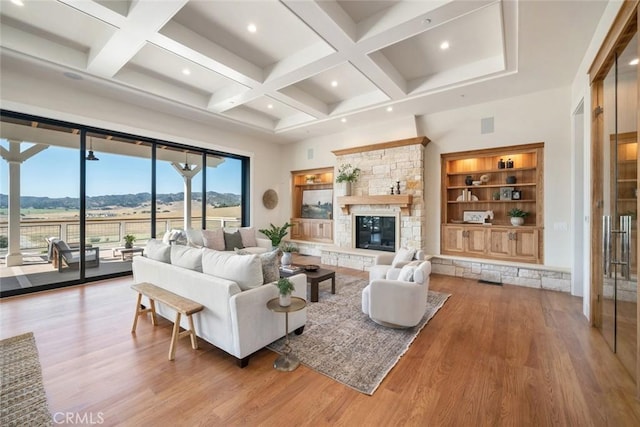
(119, 200)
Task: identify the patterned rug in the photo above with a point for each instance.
(23, 401)
(343, 343)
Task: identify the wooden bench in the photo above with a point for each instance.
(180, 304)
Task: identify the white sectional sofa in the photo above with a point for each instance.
(230, 287)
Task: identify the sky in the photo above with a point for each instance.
(55, 172)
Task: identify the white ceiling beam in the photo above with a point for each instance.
(302, 101)
(145, 19)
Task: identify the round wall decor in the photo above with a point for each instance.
(270, 199)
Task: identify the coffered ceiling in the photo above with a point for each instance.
(283, 67)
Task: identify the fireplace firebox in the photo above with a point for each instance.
(375, 233)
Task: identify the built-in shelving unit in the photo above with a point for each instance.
(312, 223)
(476, 183)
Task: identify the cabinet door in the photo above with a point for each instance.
(452, 239)
(499, 242)
(296, 231)
(475, 240)
(525, 243)
(326, 232)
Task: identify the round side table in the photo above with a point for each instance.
(286, 362)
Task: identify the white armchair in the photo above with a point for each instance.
(390, 263)
(399, 303)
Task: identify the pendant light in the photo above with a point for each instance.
(91, 156)
(186, 167)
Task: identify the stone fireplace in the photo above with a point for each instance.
(382, 166)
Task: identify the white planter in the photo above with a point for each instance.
(285, 300)
(343, 189)
(286, 258)
(517, 220)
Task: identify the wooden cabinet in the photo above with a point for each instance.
(478, 184)
(463, 240)
(506, 243)
(312, 205)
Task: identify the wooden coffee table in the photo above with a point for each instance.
(314, 278)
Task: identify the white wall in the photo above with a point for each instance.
(27, 94)
(538, 117)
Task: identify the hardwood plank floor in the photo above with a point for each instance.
(493, 355)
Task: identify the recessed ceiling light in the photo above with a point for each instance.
(343, 120)
(444, 45)
(634, 61)
(270, 106)
(17, 2)
(334, 83)
(186, 71)
(252, 28)
(389, 109)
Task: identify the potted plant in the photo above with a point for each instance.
(347, 175)
(517, 216)
(275, 234)
(285, 287)
(287, 249)
(128, 241)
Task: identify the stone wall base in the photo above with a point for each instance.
(528, 275)
(531, 276)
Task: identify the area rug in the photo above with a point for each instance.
(344, 344)
(23, 401)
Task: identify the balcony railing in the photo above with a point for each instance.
(106, 232)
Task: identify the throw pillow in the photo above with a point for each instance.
(403, 256)
(245, 270)
(248, 235)
(186, 257)
(194, 237)
(406, 274)
(270, 264)
(165, 238)
(214, 239)
(232, 241)
(158, 251)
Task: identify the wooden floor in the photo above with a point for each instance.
(493, 355)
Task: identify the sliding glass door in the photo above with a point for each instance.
(78, 203)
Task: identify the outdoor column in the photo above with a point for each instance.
(187, 174)
(14, 256)
(187, 202)
(14, 158)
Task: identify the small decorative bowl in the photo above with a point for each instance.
(311, 267)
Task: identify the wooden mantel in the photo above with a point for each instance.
(402, 200)
(423, 140)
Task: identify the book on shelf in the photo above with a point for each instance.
(290, 268)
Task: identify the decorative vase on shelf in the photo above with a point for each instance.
(511, 179)
(517, 220)
(344, 188)
(501, 164)
(468, 180)
(286, 258)
(285, 300)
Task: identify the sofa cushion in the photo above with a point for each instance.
(248, 235)
(245, 270)
(158, 251)
(232, 241)
(403, 255)
(194, 238)
(214, 239)
(186, 257)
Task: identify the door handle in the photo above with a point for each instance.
(616, 246)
